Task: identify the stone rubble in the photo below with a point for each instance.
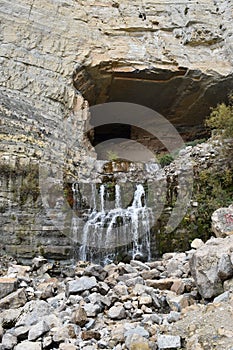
(135, 306)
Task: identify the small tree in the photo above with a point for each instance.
(221, 119)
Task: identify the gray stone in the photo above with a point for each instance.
(7, 286)
(139, 265)
(28, 345)
(222, 222)
(153, 318)
(136, 280)
(173, 316)
(9, 341)
(139, 331)
(222, 297)
(13, 300)
(169, 342)
(80, 285)
(97, 271)
(116, 312)
(225, 267)
(33, 312)
(21, 332)
(38, 330)
(92, 309)
(207, 263)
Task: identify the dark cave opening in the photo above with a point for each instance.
(184, 97)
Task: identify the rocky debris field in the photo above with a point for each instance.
(183, 301)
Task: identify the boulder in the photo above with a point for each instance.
(33, 312)
(211, 265)
(222, 221)
(81, 284)
(37, 330)
(9, 341)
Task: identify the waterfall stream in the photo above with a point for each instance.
(109, 226)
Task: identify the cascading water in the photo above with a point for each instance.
(109, 226)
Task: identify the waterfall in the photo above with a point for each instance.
(109, 226)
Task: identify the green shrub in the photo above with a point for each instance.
(221, 119)
(165, 159)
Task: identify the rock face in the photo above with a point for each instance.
(211, 265)
(59, 57)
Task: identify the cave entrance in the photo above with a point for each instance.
(184, 97)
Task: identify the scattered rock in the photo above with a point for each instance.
(169, 342)
(117, 312)
(79, 317)
(7, 286)
(38, 330)
(197, 243)
(28, 345)
(80, 285)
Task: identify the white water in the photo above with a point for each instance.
(109, 227)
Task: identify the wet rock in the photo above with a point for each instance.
(9, 341)
(169, 342)
(80, 285)
(38, 330)
(7, 286)
(117, 312)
